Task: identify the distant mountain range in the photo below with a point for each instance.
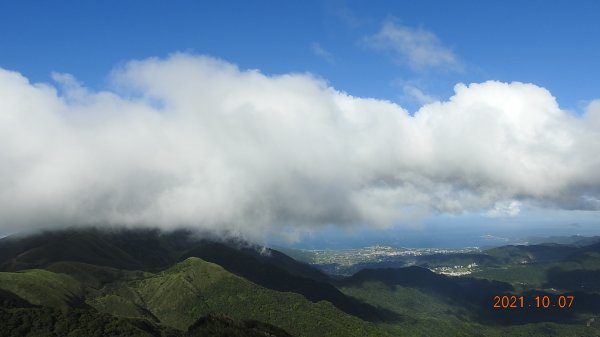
(144, 282)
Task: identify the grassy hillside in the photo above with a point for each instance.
(427, 311)
(97, 251)
(43, 287)
(193, 288)
(278, 272)
(423, 314)
(23, 319)
(179, 296)
(93, 276)
(569, 268)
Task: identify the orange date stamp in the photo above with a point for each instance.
(540, 302)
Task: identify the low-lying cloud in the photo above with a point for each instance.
(194, 141)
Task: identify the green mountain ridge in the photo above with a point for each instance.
(151, 250)
(174, 297)
(150, 283)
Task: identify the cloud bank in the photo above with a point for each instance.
(194, 141)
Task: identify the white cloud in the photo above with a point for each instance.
(505, 208)
(321, 52)
(417, 47)
(195, 141)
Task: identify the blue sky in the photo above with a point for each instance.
(553, 45)
(408, 53)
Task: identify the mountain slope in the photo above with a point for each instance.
(152, 250)
(462, 291)
(137, 249)
(42, 287)
(176, 297)
(21, 318)
(439, 305)
(142, 249)
(266, 271)
(193, 288)
(148, 283)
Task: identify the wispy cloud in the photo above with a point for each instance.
(344, 14)
(414, 93)
(420, 49)
(321, 52)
